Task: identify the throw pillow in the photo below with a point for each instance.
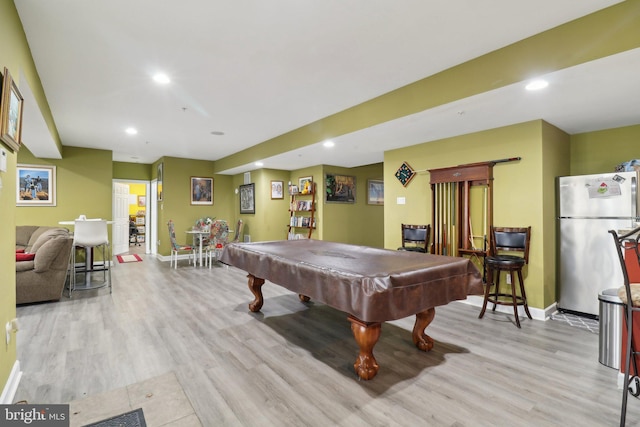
(19, 251)
(24, 257)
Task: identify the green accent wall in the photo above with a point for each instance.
(519, 187)
(132, 171)
(176, 198)
(602, 151)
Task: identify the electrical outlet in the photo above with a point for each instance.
(508, 279)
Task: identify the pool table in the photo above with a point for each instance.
(372, 285)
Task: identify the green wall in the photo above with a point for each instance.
(518, 188)
(176, 199)
(16, 56)
(602, 151)
(358, 223)
(84, 186)
(132, 171)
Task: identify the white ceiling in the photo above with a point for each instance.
(256, 69)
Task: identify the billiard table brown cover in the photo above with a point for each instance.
(374, 285)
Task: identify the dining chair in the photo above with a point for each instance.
(176, 248)
(238, 234)
(219, 239)
(415, 238)
(91, 234)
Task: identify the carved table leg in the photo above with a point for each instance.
(423, 341)
(255, 286)
(366, 335)
(303, 298)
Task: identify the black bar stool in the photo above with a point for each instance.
(507, 239)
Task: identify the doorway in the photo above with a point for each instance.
(134, 237)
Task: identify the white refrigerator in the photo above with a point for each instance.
(588, 207)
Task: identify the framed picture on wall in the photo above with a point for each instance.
(142, 201)
(277, 190)
(10, 112)
(201, 191)
(375, 192)
(35, 185)
(247, 199)
(304, 184)
(340, 188)
(160, 172)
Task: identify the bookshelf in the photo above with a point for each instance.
(302, 208)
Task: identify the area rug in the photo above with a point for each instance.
(128, 419)
(128, 258)
(591, 325)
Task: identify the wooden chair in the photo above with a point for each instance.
(415, 238)
(628, 243)
(238, 234)
(176, 248)
(507, 239)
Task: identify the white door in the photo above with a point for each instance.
(120, 230)
(152, 228)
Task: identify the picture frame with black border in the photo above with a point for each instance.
(247, 199)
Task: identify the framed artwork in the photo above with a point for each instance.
(201, 191)
(35, 185)
(142, 201)
(10, 112)
(277, 190)
(302, 184)
(340, 188)
(160, 172)
(247, 199)
(375, 192)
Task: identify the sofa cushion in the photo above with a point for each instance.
(24, 266)
(24, 257)
(24, 233)
(47, 235)
(49, 251)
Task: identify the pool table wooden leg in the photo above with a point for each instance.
(423, 341)
(366, 335)
(255, 286)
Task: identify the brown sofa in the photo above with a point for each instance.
(43, 278)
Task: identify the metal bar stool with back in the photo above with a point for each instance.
(629, 293)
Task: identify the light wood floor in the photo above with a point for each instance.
(292, 364)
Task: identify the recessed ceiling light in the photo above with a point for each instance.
(161, 78)
(537, 85)
(131, 131)
(217, 133)
(259, 164)
(329, 144)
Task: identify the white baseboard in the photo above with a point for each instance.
(536, 313)
(10, 388)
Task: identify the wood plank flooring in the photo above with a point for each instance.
(292, 364)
